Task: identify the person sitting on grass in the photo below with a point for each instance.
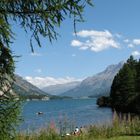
(76, 131)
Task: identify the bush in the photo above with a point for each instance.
(9, 103)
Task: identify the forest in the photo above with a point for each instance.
(125, 89)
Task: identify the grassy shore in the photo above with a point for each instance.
(122, 128)
(78, 138)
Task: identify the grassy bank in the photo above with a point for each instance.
(122, 128)
(77, 138)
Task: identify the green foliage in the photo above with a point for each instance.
(125, 91)
(9, 105)
(103, 101)
(122, 125)
(41, 17)
(121, 128)
(138, 77)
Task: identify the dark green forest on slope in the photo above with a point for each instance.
(125, 89)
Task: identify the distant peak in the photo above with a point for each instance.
(121, 62)
(114, 66)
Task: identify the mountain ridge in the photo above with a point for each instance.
(97, 85)
(60, 88)
(27, 90)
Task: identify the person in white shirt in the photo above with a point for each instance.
(76, 131)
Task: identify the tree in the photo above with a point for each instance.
(41, 17)
(137, 99)
(9, 106)
(124, 90)
(138, 77)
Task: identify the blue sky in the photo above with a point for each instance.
(110, 34)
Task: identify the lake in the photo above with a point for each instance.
(79, 112)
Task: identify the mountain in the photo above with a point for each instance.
(60, 88)
(97, 85)
(27, 90)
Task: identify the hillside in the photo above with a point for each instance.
(97, 85)
(27, 90)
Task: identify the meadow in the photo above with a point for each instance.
(123, 127)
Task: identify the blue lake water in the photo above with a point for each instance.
(80, 112)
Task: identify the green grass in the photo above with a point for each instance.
(126, 128)
(126, 138)
(49, 137)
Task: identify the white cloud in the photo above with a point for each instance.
(118, 35)
(126, 40)
(35, 54)
(136, 41)
(83, 48)
(96, 40)
(76, 43)
(136, 53)
(42, 82)
(90, 33)
(130, 45)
